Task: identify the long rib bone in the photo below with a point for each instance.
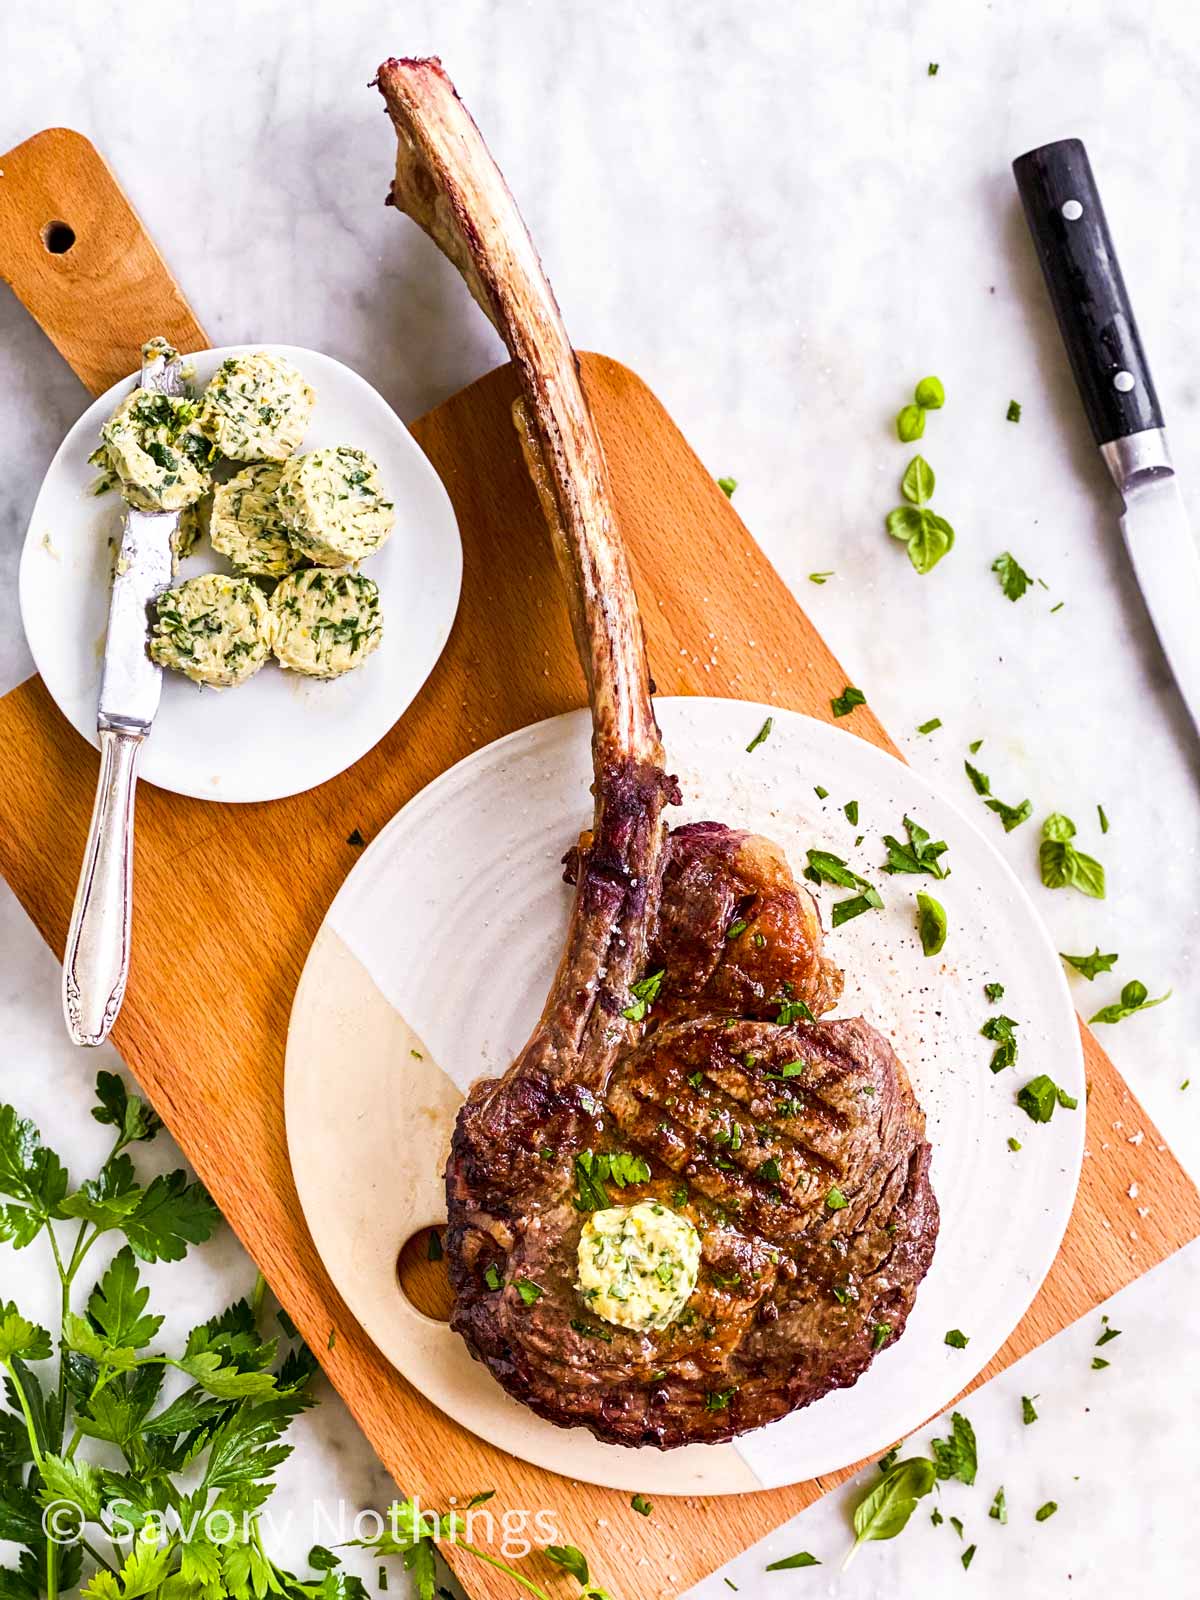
(448, 183)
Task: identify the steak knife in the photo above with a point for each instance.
(1070, 233)
(96, 960)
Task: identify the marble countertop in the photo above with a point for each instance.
(781, 220)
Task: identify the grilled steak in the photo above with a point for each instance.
(690, 1206)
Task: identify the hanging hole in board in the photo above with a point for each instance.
(58, 237)
(421, 1272)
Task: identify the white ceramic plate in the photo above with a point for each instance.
(280, 733)
(431, 968)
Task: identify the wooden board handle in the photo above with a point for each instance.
(79, 260)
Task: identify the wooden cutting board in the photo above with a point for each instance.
(229, 898)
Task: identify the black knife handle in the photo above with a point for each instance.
(1083, 275)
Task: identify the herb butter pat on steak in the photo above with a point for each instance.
(325, 623)
(256, 408)
(333, 506)
(637, 1264)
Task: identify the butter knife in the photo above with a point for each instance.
(96, 960)
(1083, 275)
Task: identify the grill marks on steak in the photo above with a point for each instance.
(793, 1295)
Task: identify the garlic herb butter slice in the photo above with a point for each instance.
(256, 408)
(325, 623)
(638, 1264)
(247, 526)
(333, 506)
(214, 629)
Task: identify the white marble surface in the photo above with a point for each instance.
(777, 217)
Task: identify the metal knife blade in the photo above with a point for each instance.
(1075, 249)
(1166, 559)
(130, 683)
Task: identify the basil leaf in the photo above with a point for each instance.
(1062, 865)
(930, 395)
(1058, 827)
(934, 539)
(931, 923)
(885, 1510)
(980, 781)
(824, 867)
(801, 1559)
(918, 482)
(845, 910)
(1014, 580)
(1091, 965)
(1134, 997)
(910, 424)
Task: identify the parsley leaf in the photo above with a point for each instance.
(1134, 997)
(957, 1456)
(1000, 1031)
(1014, 580)
(847, 700)
(645, 993)
(1091, 966)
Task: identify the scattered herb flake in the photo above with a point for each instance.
(727, 486)
(920, 854)
(1091, 966)
(930, 726)
(1103, 819)
(529, 1291)
(994, 991)
(957, 1339)
(931, 923)
(763, 734)
(1047, 1510)
(1014, 580)
(847, 700)
(1028, 1411)
(835, 1199)
(851, 810)
(1013, 414)
(999, 1510)
(1013, 1144)
(641, 1505)
(967, 1556)
(820, 577)
(802, 1558)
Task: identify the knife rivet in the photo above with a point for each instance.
(1124, 381)
(1072, 210)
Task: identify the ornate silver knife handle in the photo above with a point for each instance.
(96, 961)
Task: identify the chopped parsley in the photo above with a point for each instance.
(529, 1292)
(492, 1276)
(1000, 1030)
(645, 993)
(1028, 1411)
(1091, 966)
(999, 1509)
(593, 1171)
(1103, 819)
(641, 1505)
(994, 991)
(1047, 1510)
(1014, 580)
(1013, 414)
(793, 1011)
(1011, 816)
(819, 577)
(930, 726)
(821, 794)
(1098, 1363)
(957, 1339)
(957, 1456)
(727, 486)
(763, 734)
(718, 1399)
(1014, 1144)
(880, 1334)
(845, 702)
(1040, 1096)
(851, 810)
(835, 1199)
(802, 1558)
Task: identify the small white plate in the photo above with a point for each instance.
(280, 733)
(433, 963)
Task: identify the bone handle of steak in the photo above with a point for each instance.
(448, 183)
